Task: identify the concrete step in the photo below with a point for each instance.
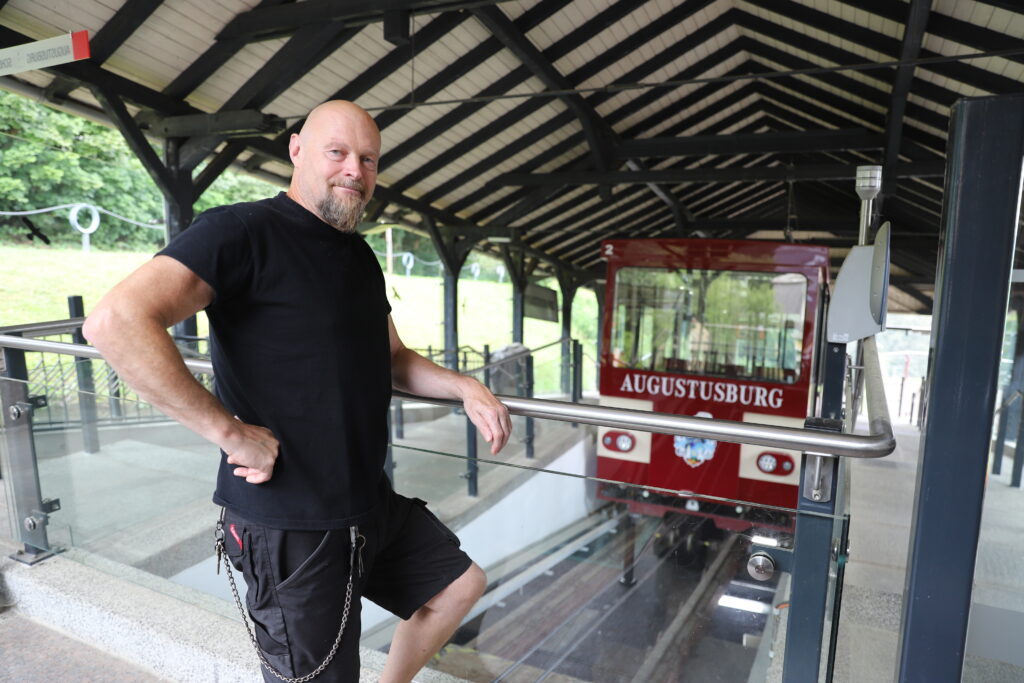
(30, 652)
(111, 615)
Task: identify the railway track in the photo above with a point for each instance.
(577, 621)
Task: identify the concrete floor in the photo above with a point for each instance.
(881, 511)
(33, 653)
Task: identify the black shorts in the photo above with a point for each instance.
(297, 581)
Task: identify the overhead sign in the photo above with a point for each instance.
(541, 303)
(43, 53)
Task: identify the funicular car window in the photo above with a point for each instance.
(746, 325)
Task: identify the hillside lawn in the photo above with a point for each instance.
(35, 282)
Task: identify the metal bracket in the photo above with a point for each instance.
(782, 557)
(30, 558)
(38, 402)
(820, 468)
(818, 477)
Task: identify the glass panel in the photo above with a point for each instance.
(547, 372)
(997, 601)
(650, 586)
(585, 589)
(142, 498)
(745, 325)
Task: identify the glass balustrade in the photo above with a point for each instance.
(644, 585)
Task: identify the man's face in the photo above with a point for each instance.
(335, 159)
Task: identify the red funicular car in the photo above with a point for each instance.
(712, 328)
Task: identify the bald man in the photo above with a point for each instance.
(305, 355)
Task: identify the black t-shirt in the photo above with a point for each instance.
(299, 341)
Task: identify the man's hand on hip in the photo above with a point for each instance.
(488, 414)
(254, 450)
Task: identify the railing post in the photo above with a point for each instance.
(1011, 406)
(471, 458)
(814, 533)
(86, 385)
(487, 362)
(1018, 456)
(566, 384)
(29, 512)
(577, 371)
(529, 394)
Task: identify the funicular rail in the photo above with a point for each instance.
(878, 443)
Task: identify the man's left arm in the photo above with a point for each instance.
(415, 374)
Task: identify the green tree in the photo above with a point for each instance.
(51, 158)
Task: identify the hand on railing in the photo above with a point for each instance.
(489, 415)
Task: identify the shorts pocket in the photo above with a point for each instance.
(309, 565)
(449, 534)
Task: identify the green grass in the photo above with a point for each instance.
(35, 282)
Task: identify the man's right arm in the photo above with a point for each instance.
(129, 327)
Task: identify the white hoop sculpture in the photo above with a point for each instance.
(94, 222)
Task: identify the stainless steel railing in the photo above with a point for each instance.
(42, 329)
(880, 442)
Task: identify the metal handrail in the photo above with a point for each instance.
(43, 328)
(880, 442)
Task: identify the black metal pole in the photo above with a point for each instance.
(568, 292)
(1018, 458)
(471, 458)
(178, 214)
(517, 312)
(813, 540)
(529, 394)
(487, 371)
(451, 320)
(1012, 403)
(577, 371)
(577, 375)
(86, 385)
(977, 235)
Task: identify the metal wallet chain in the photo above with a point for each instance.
(222, 557)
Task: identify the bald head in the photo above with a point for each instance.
(335, 156)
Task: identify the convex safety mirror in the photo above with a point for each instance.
(860, 295)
